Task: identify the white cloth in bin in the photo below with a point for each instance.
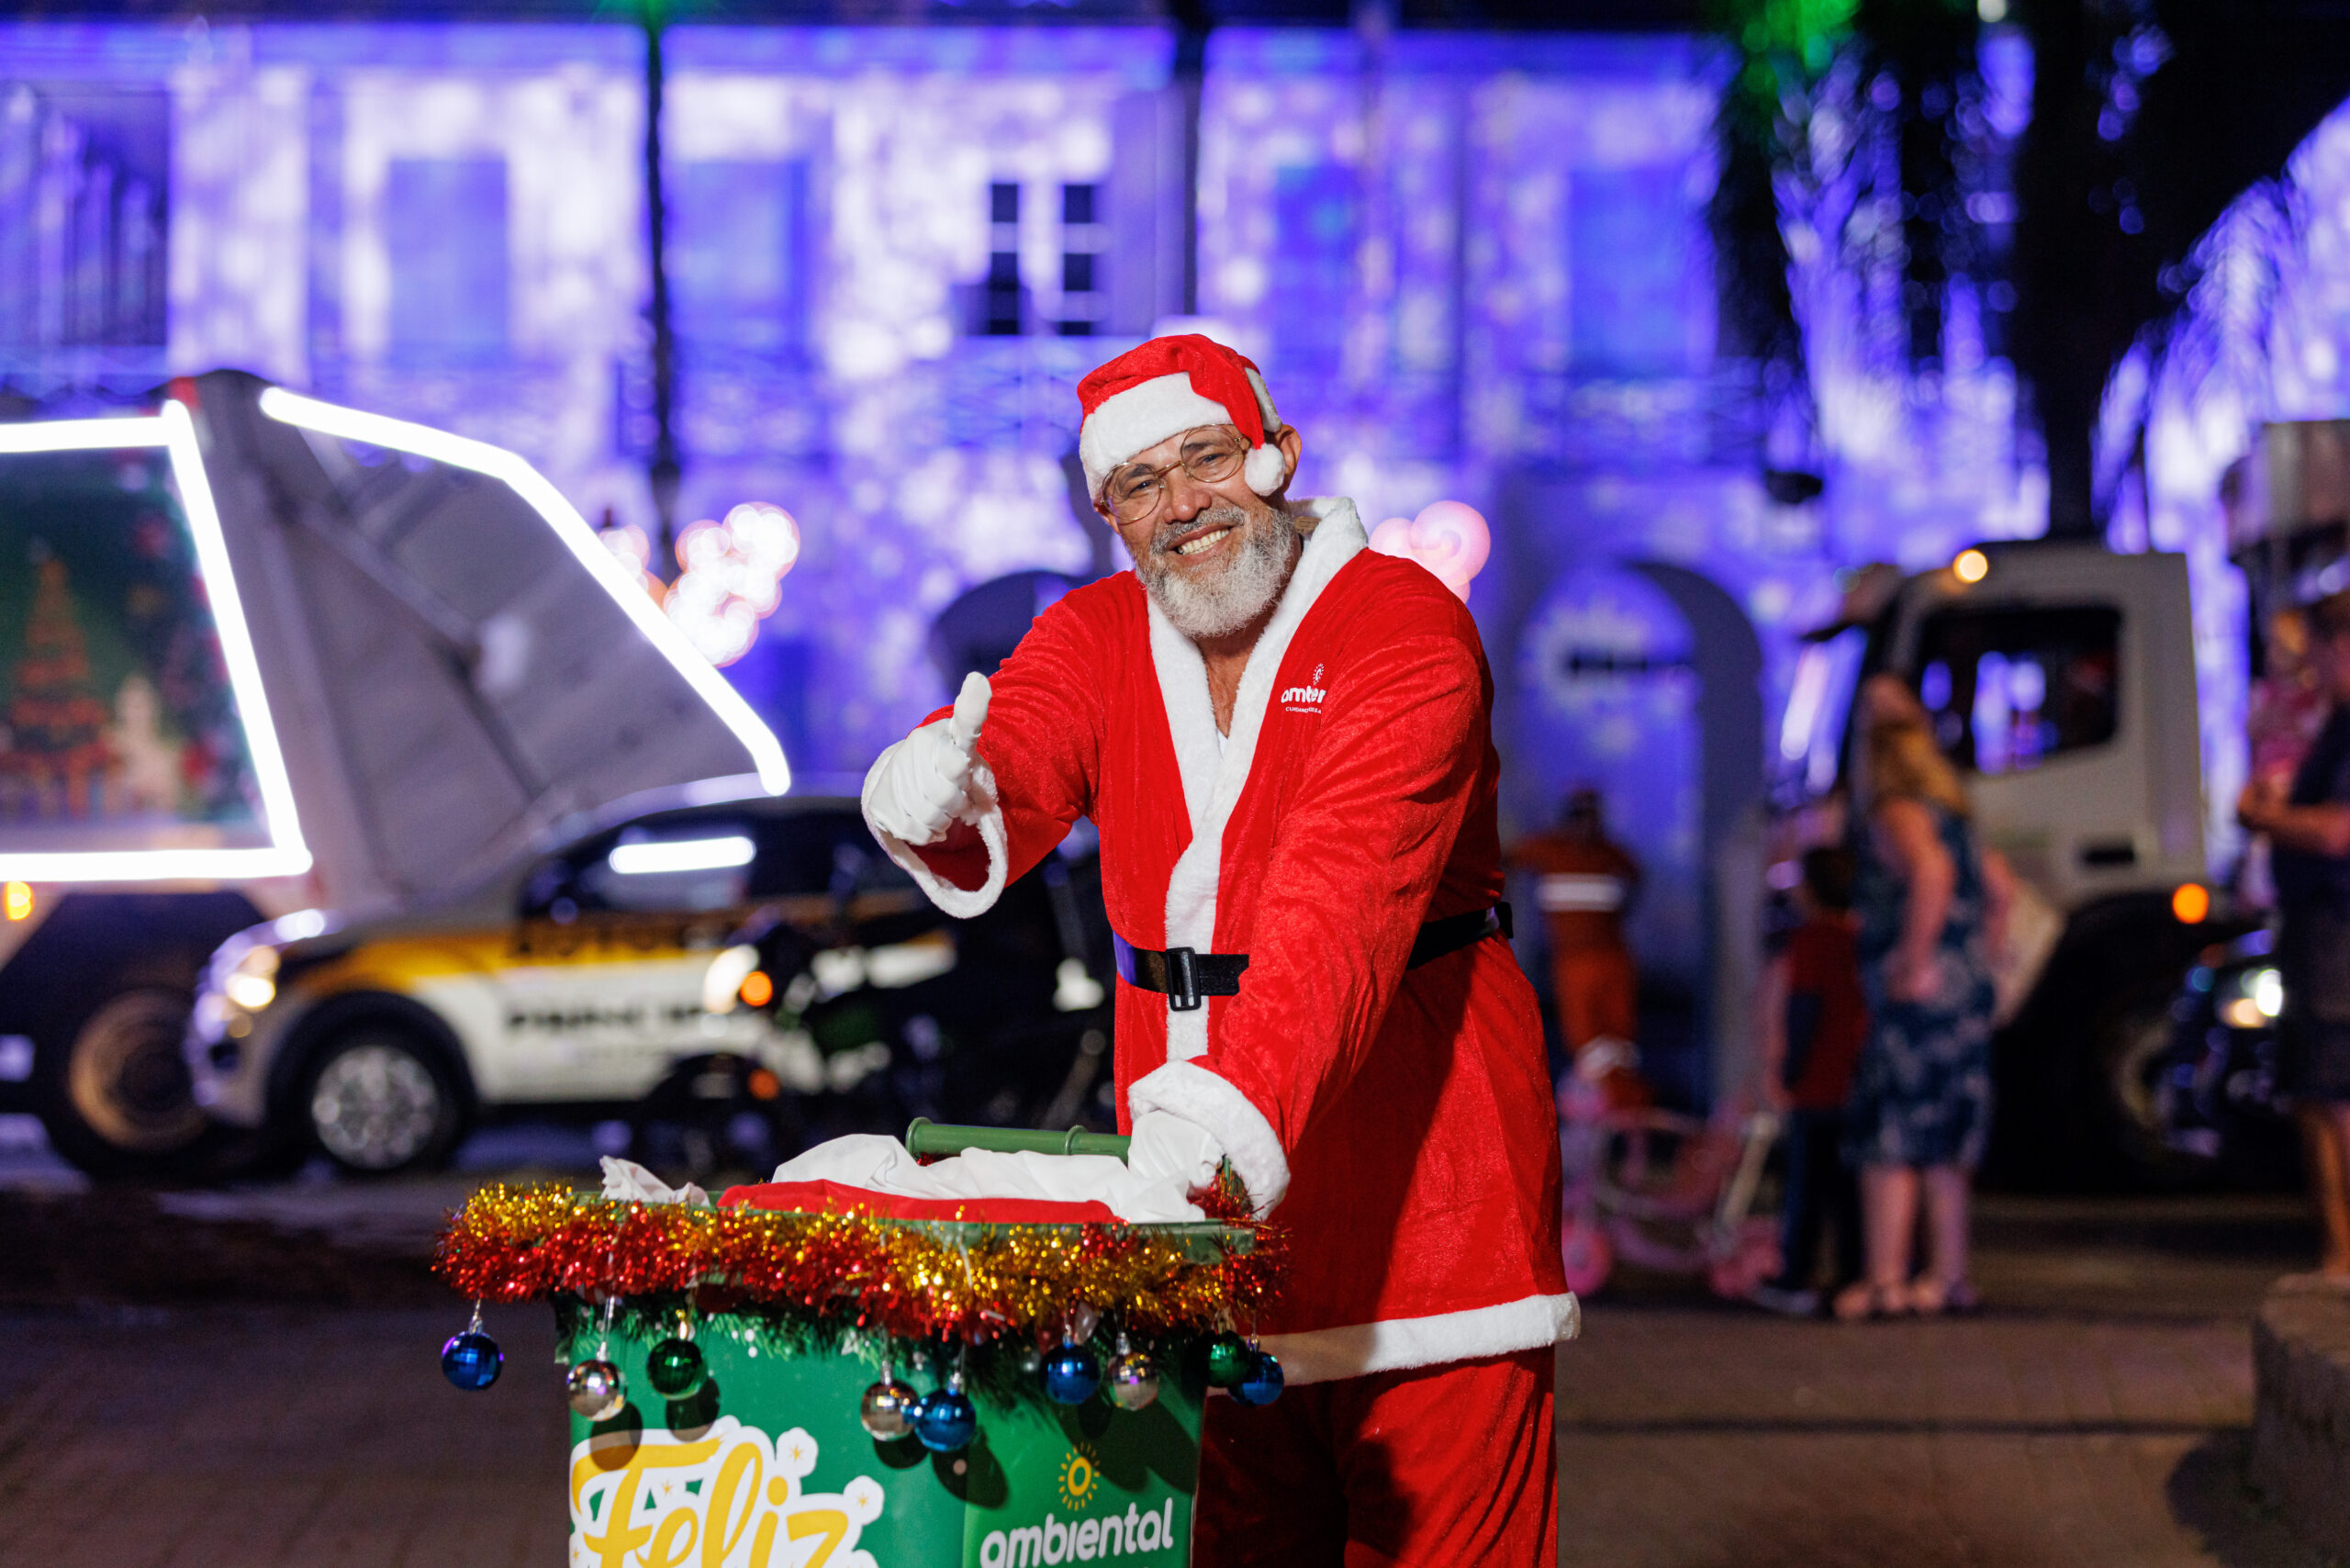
(1153, 1193)
(627, 1182)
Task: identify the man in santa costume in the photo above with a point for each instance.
(1284, 741)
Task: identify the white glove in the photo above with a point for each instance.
(920, 786)
(1165, 1147)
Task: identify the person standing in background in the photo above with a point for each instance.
(2308, 827)
(1815, 1020)
(1920, 1110)
(1584, 883)
(2284, 710)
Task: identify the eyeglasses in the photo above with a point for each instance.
(1134, 494)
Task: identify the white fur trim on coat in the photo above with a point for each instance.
(1325, 1355)
(1212, 784)
(1141, 417)
(1208, 1101)
(984, 813)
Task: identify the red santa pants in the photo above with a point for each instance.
(1451, 1464)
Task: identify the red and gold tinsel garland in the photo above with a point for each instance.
(906, 1279)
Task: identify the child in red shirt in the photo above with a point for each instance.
(1814, 1021)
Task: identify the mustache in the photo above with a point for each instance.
(1162, 542)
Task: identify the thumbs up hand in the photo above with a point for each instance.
(919, 786)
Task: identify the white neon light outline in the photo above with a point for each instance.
(461, 452)
(680, 854)
(1808, 691)
(286, 854)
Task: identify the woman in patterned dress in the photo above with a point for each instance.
(1921, 1096)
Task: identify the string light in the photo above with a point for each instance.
(732, 578)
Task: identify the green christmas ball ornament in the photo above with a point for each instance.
(675, 1368)
(1230, 1361)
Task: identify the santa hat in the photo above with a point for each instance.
(1167, 386)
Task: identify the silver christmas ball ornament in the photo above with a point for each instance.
(887, 1408)
(1133, 1378)
(596, 1389)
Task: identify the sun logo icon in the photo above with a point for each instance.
(1079, 1477)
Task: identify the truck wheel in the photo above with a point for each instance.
(377, 1101)
(117, 1100)
(2136, 1058)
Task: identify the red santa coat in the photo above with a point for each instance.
(1403, 1120)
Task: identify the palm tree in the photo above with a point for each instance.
(2148, 118)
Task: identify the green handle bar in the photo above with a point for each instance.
(927, 1136)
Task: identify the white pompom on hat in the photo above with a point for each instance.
(1169, 386)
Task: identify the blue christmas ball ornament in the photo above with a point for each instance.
(471, 1360)
(1263, 1383)
(1071, 1374)
(946, 1422)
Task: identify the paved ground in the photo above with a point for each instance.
(247, 1379)
(2095, 1415)
(234, 1437)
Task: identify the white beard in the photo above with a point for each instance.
(1249, 583)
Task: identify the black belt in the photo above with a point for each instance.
(1455, 932)
(1185, 975)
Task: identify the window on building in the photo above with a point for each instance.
(82, 176)
(1000, 296)
(1085, 299)
(1316, 210)
(1636, 287)
(444, 230)
(2010, 689)
(738, 255)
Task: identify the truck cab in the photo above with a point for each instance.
(2060, 678)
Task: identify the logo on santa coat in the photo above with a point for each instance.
(1307, 698)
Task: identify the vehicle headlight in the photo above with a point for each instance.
(724, 978)
(251, 982)
(2268, 989)
(2256, 998)
(251, 992)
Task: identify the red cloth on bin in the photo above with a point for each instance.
(835, 1198)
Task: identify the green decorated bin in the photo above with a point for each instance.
(763, 1458)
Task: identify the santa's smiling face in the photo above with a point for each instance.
(1213, 553)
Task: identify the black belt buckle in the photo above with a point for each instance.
(1183, 981)
(1185, 976)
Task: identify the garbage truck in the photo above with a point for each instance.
(2060, 677)
(262, 657)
